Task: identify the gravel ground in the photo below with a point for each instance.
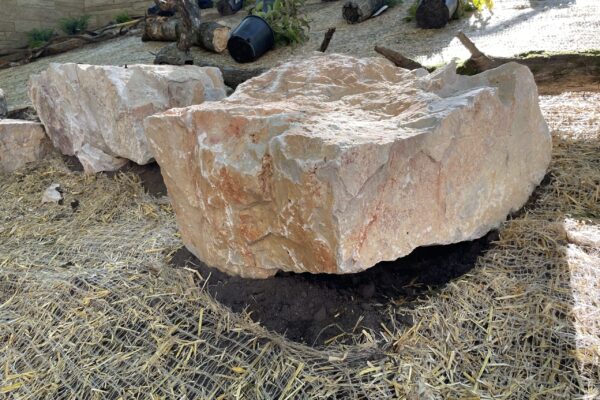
(514, 26)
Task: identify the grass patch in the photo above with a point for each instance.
(122, 18)
(39, 37)
(74, 25)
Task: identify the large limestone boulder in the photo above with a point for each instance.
(21, 142)
(334, 163)
(96, 112)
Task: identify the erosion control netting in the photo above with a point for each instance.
(89, 307)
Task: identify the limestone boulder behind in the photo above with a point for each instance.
(96, 112)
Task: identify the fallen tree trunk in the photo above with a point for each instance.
(161, 29)
(548, 69)
(61, 44)
(553, 71)
(398, 59)
(61, 47)
(355, 11)
(233, 76)
(211, 35)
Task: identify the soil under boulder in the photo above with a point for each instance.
(312, 309)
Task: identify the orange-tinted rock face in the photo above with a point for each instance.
(333, 164)
(96, 112)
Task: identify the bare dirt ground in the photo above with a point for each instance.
(515, 26)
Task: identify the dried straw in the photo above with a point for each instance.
(90, 309)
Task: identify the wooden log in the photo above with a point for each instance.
(233, 76)
(552, 72)
(435, 14)
(64, 46)
(225, 7)
(161, 29)
(398, 59)
(213, 36)
(326, 40)
(166, 5)
(355, 11)
(190, 27)
(478, 59)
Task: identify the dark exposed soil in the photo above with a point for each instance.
(314, 308)
(26, 113)
(149, 174)
(150, 178)
(311, 308)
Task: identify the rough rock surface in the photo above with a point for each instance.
(21, 142)
(333, 164)
(3, 105)
(96, 112)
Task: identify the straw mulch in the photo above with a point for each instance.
(89, 308)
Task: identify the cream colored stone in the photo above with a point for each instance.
(21, 142)
(96, 112)
(333, 164)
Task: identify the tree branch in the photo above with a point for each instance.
(398, 59)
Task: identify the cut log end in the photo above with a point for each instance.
(432, 14)
(214, 36)
(351, 13)
(355, 11)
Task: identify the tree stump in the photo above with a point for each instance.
(213, 36)
(227, 7)
(356, 11)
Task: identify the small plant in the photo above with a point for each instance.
(478, 4)
(39, 37)
(122, 18)
(412, 11)
(286, 20)
(74, 25)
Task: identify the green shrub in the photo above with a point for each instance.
(39, 37)
(122, 18)
(286, 20)
(74, 25)
(478, 4)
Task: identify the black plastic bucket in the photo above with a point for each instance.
(435, 14)
(252, 38)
